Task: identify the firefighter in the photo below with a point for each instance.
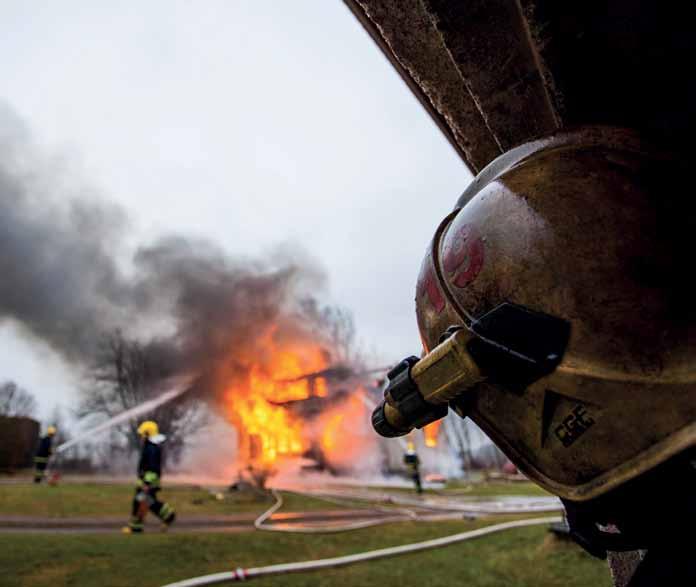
(149, 473)
(555, 309)
(412, 463)
(43, 454)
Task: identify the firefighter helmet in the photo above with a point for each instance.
(148, 429)
(554, 310)
(51, 430)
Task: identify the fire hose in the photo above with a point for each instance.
(440, 512)
(401, 515)
(241, 574)
(532, 505)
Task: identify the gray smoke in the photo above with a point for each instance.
(58, 277)
(64, 277)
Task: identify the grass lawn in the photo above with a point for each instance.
(94, 500)
(100, 499)
(495, 488)
(521, 557)
(478, 489)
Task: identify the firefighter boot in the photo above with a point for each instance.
(167, 515)
(135, 526)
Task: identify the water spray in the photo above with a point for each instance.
(179, 386)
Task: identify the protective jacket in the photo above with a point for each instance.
(150, 459)
(412, 462)
(45, 449)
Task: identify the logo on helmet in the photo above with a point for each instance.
(427, 285)
(463, 254)
(574, 425)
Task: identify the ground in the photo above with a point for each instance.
(107, 499)
(521, 557)
(485, 488)
(102, 499)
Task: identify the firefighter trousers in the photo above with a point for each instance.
(41, 463)
(145, 499)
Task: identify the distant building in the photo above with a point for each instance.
(18, 438)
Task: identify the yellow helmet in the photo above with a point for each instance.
(51, 430)
(148, 429)
(554, 309)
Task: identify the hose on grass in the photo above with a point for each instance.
(259, 523)
(441, 511)
(543, 505)
(241, 574)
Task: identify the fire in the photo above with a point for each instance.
(330, 437)
(257, 406)
(345, 435)
(430, 432)
(282, 405)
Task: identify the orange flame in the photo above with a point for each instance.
(267, 429)
(345, 435)
(430, 432)
(330, 437)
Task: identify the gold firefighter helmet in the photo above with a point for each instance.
(148, 429)
(554, 310)
(51, 431)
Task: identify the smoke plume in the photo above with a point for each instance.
(65, 277)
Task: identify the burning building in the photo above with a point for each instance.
(292, 402)
(264, 350)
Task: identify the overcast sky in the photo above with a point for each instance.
(256, 124)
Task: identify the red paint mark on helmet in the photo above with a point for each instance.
(463, 255)
(427, 285)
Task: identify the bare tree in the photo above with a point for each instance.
(16, 401)
(339, 324)
(336, 326)
(127, 373)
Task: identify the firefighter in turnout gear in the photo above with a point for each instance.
(43, 454)
(149, 472)
(412, 463)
